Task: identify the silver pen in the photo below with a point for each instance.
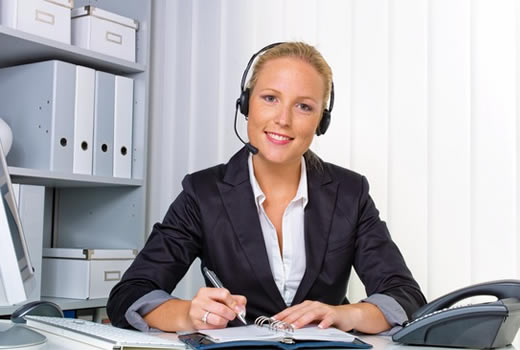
(217, 284)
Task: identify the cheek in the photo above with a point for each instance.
(254, 126)
(259, 117)
(308, 129)
(260, 113)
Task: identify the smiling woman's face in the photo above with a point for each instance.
(285, 108)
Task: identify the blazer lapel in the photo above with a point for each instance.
(237, 196)
(318, 217)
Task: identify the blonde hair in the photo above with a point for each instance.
(299, 50)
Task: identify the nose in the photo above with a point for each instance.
(284, 117)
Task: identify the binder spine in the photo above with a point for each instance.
(62, 138)
(123, 126)
(83, 120)
(104, 125)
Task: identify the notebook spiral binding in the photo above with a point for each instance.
(272, 324)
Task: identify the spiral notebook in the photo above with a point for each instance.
(267, 332)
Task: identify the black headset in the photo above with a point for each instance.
(243, 101)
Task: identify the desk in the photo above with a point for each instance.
(56, 342)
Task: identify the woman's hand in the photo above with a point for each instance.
(316, 312)
(214, 308)
(364, 317)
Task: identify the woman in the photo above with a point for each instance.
(281, 228)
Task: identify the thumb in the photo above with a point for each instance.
(241, 301)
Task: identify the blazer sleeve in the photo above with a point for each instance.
(168, 253)
(378, 261)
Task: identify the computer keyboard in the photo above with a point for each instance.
(102, 335)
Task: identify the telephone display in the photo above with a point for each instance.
(483, 326)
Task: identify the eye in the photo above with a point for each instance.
(304, 107)
(269, 98)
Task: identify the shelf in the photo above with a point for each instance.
(73, 304)
(20, 48)
(64, 303)
(53, 179)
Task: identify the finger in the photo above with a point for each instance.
(208, 320)
(313, 311)
(201, 325)
(326, 322)
(197, 319)
(241, 302)
(235, 303)
(215, 320)
(219, 309)
(240, 299)
(210, 299)
(290, 310)
(216, 301)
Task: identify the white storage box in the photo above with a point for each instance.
(83, 273)
(105, 32)
(47, 18)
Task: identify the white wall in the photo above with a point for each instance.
(427, 95)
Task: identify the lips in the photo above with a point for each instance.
(278, 139)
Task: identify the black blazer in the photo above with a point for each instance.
(215, 218)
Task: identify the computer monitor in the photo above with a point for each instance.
(16, 270)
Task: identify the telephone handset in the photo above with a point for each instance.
(486, 325)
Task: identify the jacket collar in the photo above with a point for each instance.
(238, 198)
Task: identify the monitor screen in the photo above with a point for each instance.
(16, 270)
(13, 220)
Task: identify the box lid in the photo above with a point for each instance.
(105, 15)
(65, 3)
(89, 254)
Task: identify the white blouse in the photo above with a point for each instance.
(289, 267)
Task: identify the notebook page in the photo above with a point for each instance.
(251, 332)
(315, 333)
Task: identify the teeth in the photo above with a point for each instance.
(278, 137)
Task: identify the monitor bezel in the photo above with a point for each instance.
(24, 263)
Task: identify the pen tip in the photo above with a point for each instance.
(242, 318)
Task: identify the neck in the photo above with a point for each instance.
(277, 176)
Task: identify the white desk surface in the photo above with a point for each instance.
(56, 342)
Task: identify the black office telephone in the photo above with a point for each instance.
(487, 325)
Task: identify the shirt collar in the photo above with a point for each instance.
(301, 193)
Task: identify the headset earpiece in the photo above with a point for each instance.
(324, 123)
(243, 101)
(325, 118)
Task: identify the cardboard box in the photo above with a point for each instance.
(83, 273)
(105, 32)
(46, 18)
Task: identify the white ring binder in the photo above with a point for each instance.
(273, 324)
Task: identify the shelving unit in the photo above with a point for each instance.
(28, 48)
(27, 176)
(84, 211)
